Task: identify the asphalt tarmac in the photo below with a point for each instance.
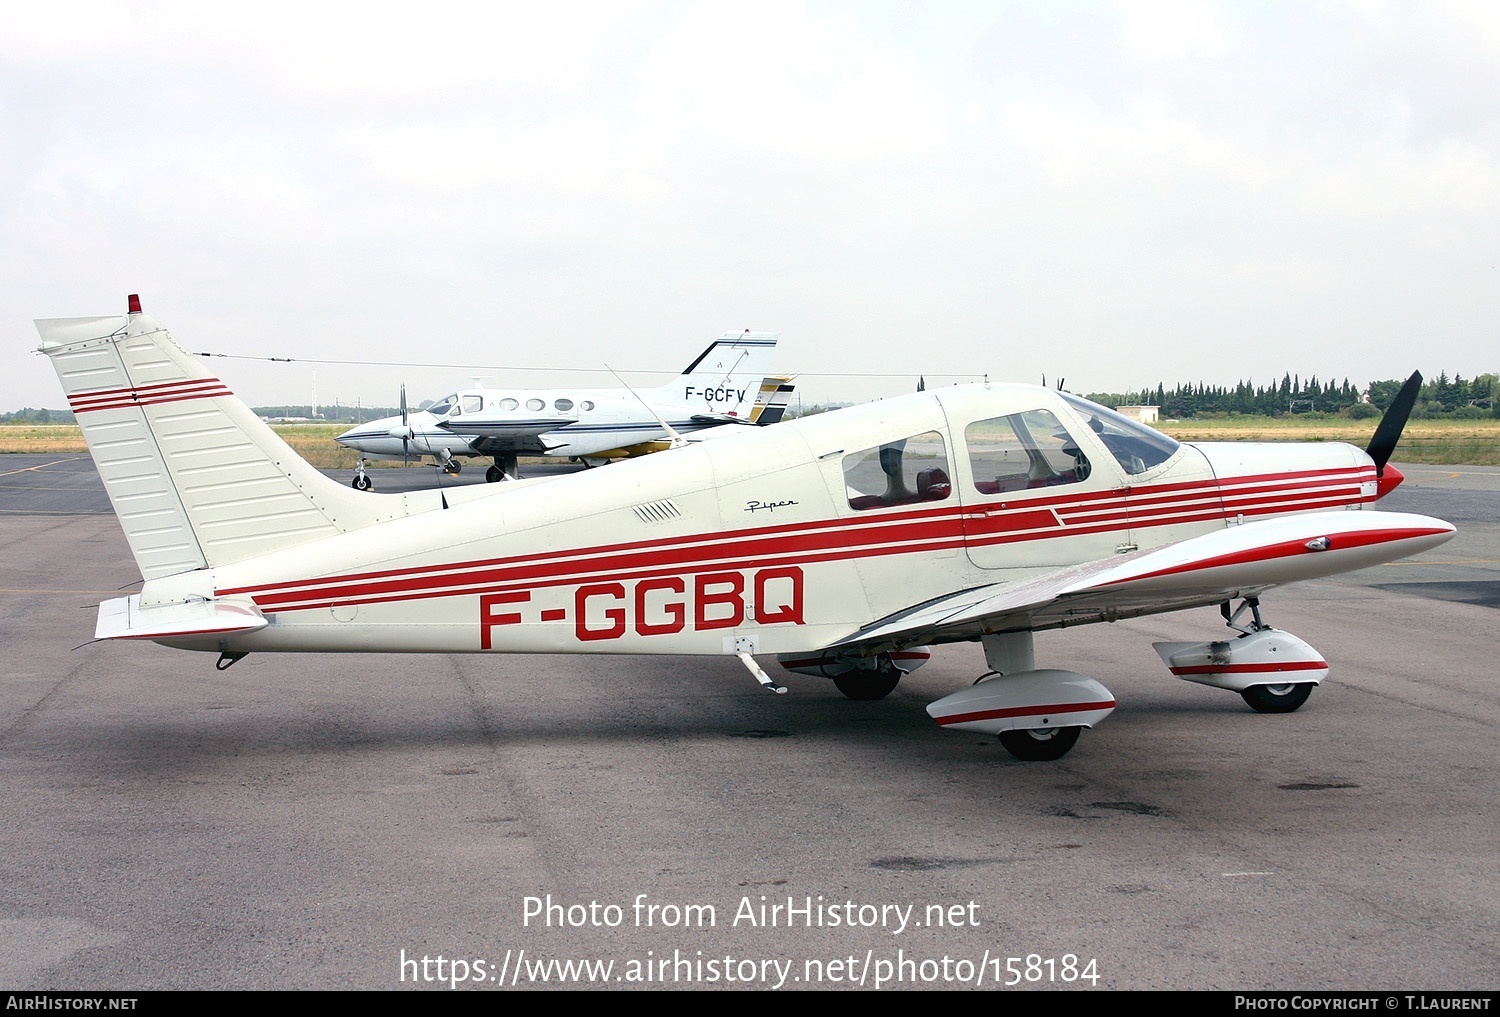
(315, 822)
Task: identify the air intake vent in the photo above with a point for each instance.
(657, 512)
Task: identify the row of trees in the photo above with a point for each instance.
(1442, 396)
(27, 415)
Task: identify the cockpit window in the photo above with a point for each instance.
(1137, 447)
(472, 403)
(902, 472)
(442, 406)
(1022, 451)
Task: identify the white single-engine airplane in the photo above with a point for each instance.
(844, 543)
(725, 385)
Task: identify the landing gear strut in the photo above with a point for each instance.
(1283, 697)
(504, 469)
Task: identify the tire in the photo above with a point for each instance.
(867, 686)
(362, 483)
(1277, 698)
(1037, 745)
(493, 475)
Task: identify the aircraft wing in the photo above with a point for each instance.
(501, 437)
(1239, 561)
(520, 430)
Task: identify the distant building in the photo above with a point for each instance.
(1145, 414)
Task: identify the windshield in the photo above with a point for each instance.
(1137, 447)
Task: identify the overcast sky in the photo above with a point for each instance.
(1115, 193)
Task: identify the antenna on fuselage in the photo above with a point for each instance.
(677, 440)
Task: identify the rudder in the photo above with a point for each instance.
(196, 479)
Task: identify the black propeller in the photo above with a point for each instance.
(404, 431)
(1392, 424)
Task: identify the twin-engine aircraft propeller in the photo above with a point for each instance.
(404, 430)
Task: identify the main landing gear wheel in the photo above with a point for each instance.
(1277, 698)
(362, 483)
(869, 685)
(493, 475)
(453, 467)
(1035, 745)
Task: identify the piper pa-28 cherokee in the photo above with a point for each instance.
(844, 543)
(725, 385)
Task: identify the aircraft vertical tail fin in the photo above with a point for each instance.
(725, 378)
(195, 477)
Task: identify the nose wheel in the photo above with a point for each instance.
(1276, 698)
(1036, 745)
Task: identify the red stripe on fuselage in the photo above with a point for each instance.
(863, 535)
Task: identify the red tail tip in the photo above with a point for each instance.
(135, 303)
(1390, 479)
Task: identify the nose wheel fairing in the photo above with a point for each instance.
(1264, 657)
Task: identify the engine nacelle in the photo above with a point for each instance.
(1026, 700)
(824, 664)
(1263, 657)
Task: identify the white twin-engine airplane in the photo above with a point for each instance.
(843, 543)
(727, 384)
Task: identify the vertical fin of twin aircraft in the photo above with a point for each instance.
(735, 362)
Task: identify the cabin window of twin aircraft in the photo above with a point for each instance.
(454, 406)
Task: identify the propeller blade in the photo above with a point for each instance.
(405, 431)
(1393, 423)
